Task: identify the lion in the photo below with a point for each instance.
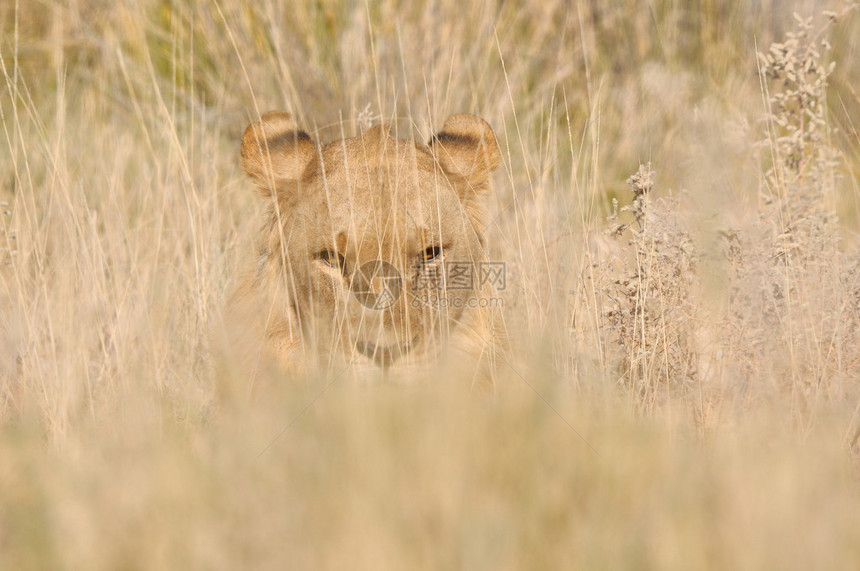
(374, 248)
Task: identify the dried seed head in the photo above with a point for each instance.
(643, 181)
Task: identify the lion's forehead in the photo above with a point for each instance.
(408, 226)
(376, 194)
(404, 204)
(366, 160)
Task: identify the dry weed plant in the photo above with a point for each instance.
(647, 302)
(789, 309)
(790, 323)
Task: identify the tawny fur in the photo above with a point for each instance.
(336, 207)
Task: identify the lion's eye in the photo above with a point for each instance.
(332, 259)
(431, 253)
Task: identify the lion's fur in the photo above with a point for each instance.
(369, 197)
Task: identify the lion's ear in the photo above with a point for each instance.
(275, 151)
(466, 148)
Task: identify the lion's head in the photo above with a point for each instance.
(367, 235)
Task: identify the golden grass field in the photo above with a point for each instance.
(683, 389)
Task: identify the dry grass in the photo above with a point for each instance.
(684, 388)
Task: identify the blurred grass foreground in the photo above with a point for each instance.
(684, 383)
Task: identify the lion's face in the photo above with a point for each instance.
(365, 233)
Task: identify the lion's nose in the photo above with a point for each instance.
(377, 285)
